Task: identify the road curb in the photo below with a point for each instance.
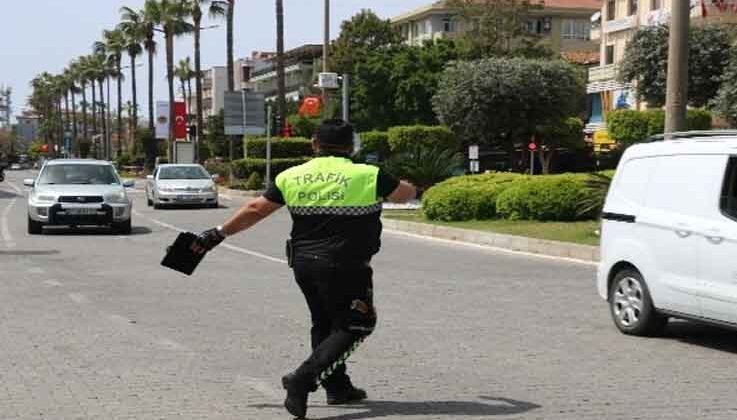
(239, 193)
(513, 243)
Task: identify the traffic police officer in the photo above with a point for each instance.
(335, 206)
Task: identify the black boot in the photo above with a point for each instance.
(346, 396)
(297, 394)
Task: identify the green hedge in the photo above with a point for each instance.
(293, 147)
(375, 142)
(404, 138)
(220, 168)
(245, 167)
(544, 198)
(629, 126)
(467, 197)
(303, 126)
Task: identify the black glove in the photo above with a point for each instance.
(208, 240)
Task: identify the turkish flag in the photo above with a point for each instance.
(180, 120)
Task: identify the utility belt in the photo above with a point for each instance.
(321, 250)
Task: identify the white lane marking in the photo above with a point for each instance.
(52, 283)
(78, 298)
(173, 345)
(119, 319)
(224, 245)
(15, 187)
(36, 270)
(4, 227)
(493, 248)
(261, 386)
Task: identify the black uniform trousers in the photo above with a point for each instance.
(340, 298)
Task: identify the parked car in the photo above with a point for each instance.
(178, 184)
(669, 234)
(15, 167)
(75, 193)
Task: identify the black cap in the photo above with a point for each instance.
(335, 132)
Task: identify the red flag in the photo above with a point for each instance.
(180, 120)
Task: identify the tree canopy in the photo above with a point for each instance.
(502, 101)
(363, 33)
(646, 62)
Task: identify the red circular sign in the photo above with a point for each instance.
(532, 147)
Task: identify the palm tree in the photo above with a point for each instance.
(170, 15)
(215, 9)
(71, 75)
(98, 71)
(114, 45)
(133, 28)
(185, 74)
(79, 74)
(280, 74)
(229, 7)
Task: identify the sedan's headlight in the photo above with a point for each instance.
(209, 189)
(118, 197)
(43, 198)
(166, 189)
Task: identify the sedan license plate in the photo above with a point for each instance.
(82, 211)
(186, 198)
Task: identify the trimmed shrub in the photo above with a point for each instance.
(404, 138)
(545, 198)
(628, 126)
(698, 119)
(467, 197)
(303, 126)
(281, 148)
(219, 168)
(375, 142)
(245, 167)
(254, 182)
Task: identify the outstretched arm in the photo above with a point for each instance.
(251, 213)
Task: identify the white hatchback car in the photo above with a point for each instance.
(669, 233)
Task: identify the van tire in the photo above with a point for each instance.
(631, 305)
(34, 227)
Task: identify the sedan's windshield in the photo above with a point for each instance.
(77, 174)
(183, 172)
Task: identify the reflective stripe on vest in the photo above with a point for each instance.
(330, 186)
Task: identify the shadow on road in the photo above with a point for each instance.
(702, 335)
(90, 231)
(7, 195)
(181, 207)
(496, 406)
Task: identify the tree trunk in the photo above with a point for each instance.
(281, 77)
(150, 146)
(229, 58)
(85, 132)
(198, 84)
(74, 125)
(94, 108)
(170, 78)
(121, 147)
(189, 98)
(134, 122)
(108, 123)
(103, 120)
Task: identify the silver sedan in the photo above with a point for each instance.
(177, 184)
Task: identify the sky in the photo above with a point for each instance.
(45, 35)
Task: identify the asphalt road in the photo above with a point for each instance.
(92, 328)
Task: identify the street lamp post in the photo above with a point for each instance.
(325, 52)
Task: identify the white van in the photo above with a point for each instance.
(669, 233)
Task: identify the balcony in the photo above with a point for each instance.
(618, 25)
(602, 73)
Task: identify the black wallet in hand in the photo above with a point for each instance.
(180, 257)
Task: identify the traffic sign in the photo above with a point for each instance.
(473, 152)
(532, 146)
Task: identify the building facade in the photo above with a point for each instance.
(614, 26)
(301, 67)
(564, 25)
(27, 129)
(215, 81)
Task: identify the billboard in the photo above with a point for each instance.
(162, 120)
(254, 116)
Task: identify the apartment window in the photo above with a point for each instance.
(632, 9)
(534, 26)
(609, 55)
(449, 24)
(656, 4)
(576, 29)
(611, 10)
